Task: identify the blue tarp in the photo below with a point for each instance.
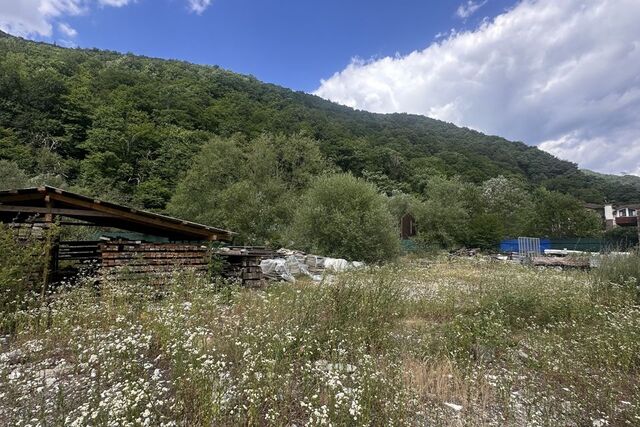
(511, 245)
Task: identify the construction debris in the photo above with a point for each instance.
(287, 264)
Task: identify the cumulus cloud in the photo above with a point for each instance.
(67, 29)
(30, 17)
(115, 3)
(37, 17)
(564, 75)
(199, 6)
(27, 18)
(467, 9)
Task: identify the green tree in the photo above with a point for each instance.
(444, 221)
(250, 187)
(345, 216)
(561, 215)
(11, 176)
(508, 200)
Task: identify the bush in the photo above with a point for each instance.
(346, 217)
(21, 267)
(620, 270)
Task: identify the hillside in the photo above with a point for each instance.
(121, 125)
(622, 184)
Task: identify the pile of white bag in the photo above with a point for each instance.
(290, 264)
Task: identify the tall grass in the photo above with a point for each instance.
(22, 265)
(441, 342)
(620, 271)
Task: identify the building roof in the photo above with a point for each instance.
(614, 206)
(16, 205)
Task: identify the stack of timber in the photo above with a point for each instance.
(30, 230)
(242, 264)
(563, 262)
(78, 250)
(151, 261)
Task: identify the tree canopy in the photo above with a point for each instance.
(345, 216)
(225, 149)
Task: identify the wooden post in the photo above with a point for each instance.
(49, 260)
(638, 226)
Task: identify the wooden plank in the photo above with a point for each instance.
(54, 211)
(152, 269)
(173, 262)
(153, 255)
(158, 247)
(138, 218)
(20, 197)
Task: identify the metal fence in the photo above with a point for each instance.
(529, 246)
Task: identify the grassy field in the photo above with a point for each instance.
(422, 342)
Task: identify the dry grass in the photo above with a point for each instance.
(427, 342)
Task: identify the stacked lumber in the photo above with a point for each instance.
(137, 260)
(78, 251)
(563, 262)
(29, 230)
(242, 264)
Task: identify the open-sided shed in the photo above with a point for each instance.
(184, 243)
(45, 204)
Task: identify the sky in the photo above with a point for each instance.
(562, 75)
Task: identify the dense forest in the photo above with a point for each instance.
(130, 128)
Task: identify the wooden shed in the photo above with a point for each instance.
(407, 226)
(167, 242)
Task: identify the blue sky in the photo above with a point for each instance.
(561, 75)
(293, 43)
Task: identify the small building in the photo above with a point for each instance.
(160, 244)
(407, 226)
(623, 215)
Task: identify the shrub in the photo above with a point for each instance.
(622, 271)
(346, 217)
(21, 266)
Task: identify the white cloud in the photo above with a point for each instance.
(37, 17)
(564, 75)
(115, 3)
(67, 29)
(199, 6)
(467, 9)
(28, 18)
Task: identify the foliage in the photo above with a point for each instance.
(445, 217)
(510, 202)
(621, 238)
(21, 266)
(560, 215)
(249, 187)
(622, 270)
(125, 126)
(11, 176)
(230, 151)
(346, 217)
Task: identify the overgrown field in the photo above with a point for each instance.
(422, 342)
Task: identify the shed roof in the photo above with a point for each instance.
(46, 200)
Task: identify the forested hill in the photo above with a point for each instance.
(127, 127)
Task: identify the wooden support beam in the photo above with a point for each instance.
(54, 211)
(17, 197)
(134, 217)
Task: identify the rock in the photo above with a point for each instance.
(453, 406)
(13, 357)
